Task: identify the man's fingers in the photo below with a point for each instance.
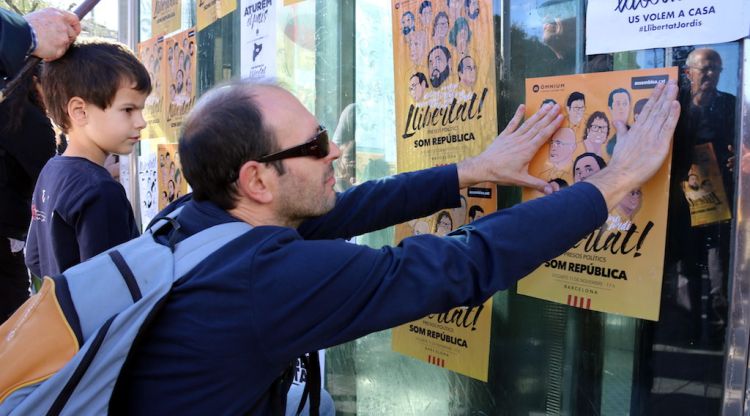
(540, 125)
(525, 127)
(545, 132)
(529, 181)
(515, 121)
(655, 94)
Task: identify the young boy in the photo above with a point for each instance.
(95, 93)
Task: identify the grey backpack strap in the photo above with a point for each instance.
(194, 249)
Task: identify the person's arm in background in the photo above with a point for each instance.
(45, 33)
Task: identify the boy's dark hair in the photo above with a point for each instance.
(227, 125)
(93, 70)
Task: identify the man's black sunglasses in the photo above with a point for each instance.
(317, 147)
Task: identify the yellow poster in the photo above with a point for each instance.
(704, 189)
(618, 267)
(171, 181)
(445, 111)
(151, 53)
(166, 16)
(210, 11)
(180, 77)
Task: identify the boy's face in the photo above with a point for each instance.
(117, 128)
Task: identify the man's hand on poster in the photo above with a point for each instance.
(506, 160)
(640, 150)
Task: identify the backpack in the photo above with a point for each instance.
(62, 351)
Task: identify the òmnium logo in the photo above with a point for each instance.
(548, 87)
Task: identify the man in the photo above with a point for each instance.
(417, 86)
(253, 153)
(467, 72)
(425, 13)
(576, 106)
(407, 23)
(475, 212)
(562, 146)
(439, 64)
(587, 164)
(619, 110)
(417, 42)
(472, 9)
(27, 139)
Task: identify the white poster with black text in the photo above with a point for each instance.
(258, 39)
(626, 25)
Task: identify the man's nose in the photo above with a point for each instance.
(334, 152)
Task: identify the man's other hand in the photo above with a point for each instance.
(641, 150)
(55, 31)
(506, 160)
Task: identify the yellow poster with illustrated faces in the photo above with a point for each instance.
(618, 267)
(151, 54)
(170, 179)
(209, 11)
(181, 55)
(444, 78)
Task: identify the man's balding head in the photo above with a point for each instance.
(227, 123)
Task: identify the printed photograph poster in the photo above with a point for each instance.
(166, 16)
(209, 11)
(171, 181)
(445, 111)
(661, 24)
(258, 39)
(151, 53)
(180, 80)
(618, 267)
(704, 188)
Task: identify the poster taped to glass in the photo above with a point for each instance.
(618, 267)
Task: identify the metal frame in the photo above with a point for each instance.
(736, 393)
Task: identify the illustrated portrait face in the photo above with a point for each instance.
(444, 224)
(619, 105)
(632, 202)
(475, 212)
(460, 36)
(417, 47)
(425, 13)
(440, 28)
(694, 182)
(597, 131)
(439, 65)
(189, 87)
(586, 165)
(472, 9)
(179, 81)
(417, 86)
(455, 7)
(562, 146)
(467, 71)
(172, 92)
(638, 108)
(407, 23)
(703, 70)
(421, 227)
(191, 48)
(576, 110)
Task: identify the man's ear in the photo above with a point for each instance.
(77, 111)
(256, 181)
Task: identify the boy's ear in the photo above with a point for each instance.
(77, 111)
